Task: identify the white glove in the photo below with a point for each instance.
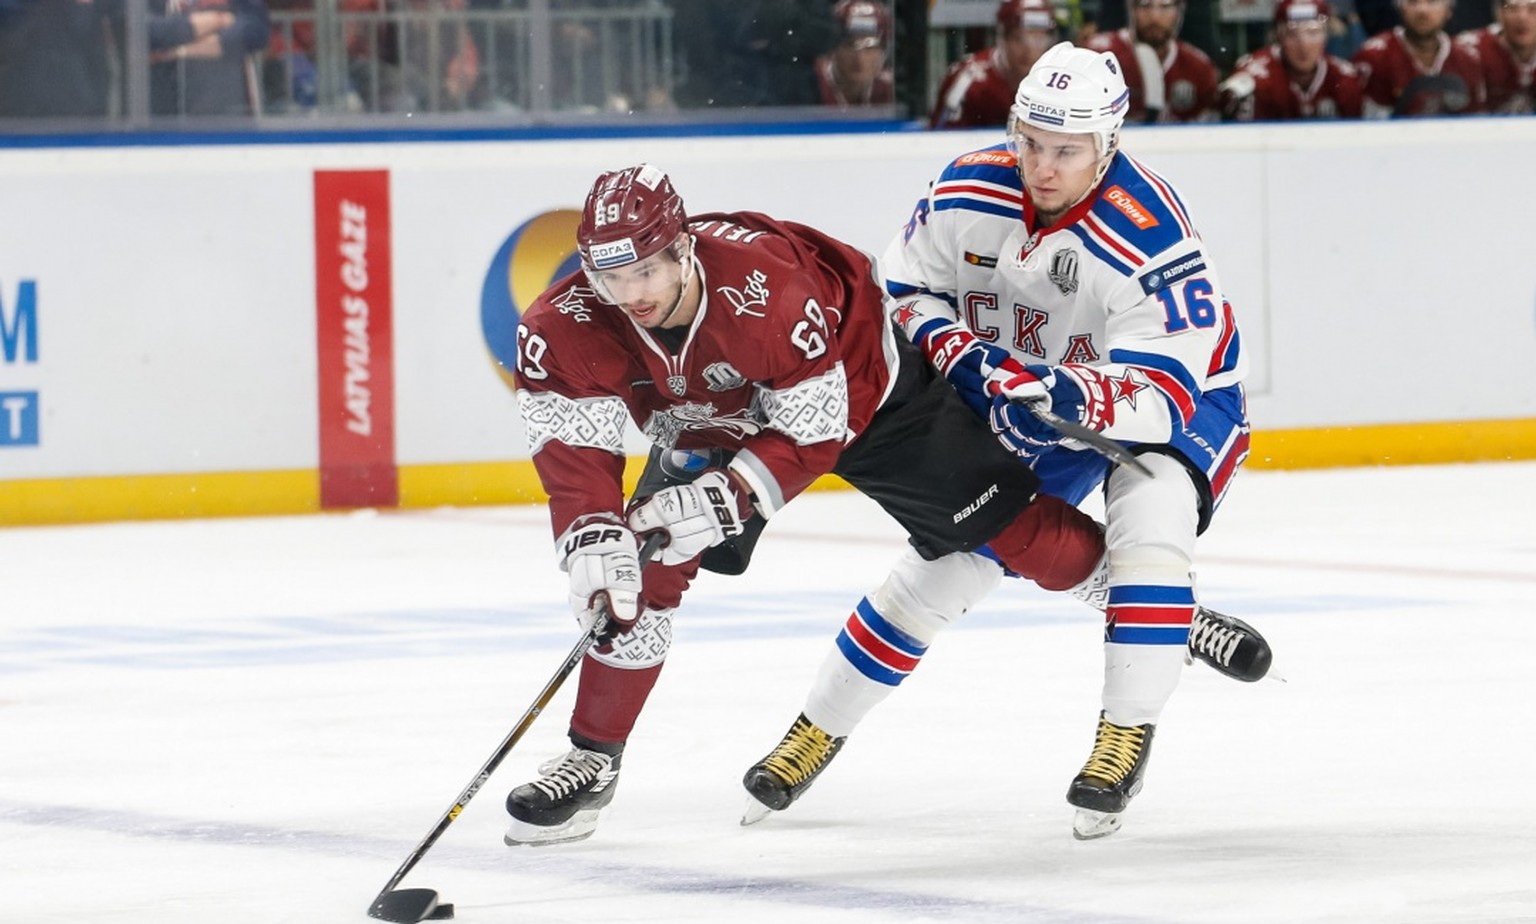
(604, 565)
(694, 516)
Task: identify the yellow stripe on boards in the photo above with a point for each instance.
(217, 494)
(158, 497)
(1395, 444)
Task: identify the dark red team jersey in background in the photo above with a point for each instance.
(1261, 90)
(1394, 80)
(1507, 84)
(1189, 79)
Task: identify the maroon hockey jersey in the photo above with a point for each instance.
(1261, 90)
(975, 93)
(1507, 82)
(1395, 82)
(788, 358)
(1189, 79)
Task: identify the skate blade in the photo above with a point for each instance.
(754, 812)
(578, 828)
(1089, 825)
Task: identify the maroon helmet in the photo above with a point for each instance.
(630, 214)
(1299, 11)
(1025, 14)
(864, 23)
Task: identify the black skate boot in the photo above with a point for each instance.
(1229, 645)
(789, 769)
(563, 804)
(1110, 778)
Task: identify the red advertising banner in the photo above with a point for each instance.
(353, 308)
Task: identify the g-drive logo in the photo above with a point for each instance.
(617, 253)
(18, 344)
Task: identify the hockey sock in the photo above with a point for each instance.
(1052, 543)
(609, 700)
(617, 677)
(868, 661)
(1146, 628)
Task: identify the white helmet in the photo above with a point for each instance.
(1072, 90)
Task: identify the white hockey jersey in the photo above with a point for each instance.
(1120, 289)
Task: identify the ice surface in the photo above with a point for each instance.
(256, 721)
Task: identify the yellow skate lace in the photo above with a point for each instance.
(804, 748)
(1115, 750)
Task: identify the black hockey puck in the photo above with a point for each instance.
(442, 912)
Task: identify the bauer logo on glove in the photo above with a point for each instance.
(694, 516)
(603, 561)
(590, 537)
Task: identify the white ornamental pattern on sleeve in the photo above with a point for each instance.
(646, 645)
(810, 411)
(595, 423)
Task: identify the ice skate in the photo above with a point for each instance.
(1229, 645)
(563, 805)
(789, 769)
(1109, 779)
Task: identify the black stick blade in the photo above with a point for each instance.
(408, 906)
(1093, 439)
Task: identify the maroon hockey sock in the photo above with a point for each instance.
(1052, 543)
(609, 700)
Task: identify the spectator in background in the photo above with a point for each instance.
(1506, 57)
(1415, 69)
(200, 54)
(372, 49)
(440, 65)
(1295, 77)
(1170, 80)
(857, 71)
(978, 90)
(54, 57)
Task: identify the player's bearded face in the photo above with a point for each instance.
(1155, 20)
(649, 290)
(1424, 19)
(1058, 168)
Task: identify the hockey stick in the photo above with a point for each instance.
(1093, 439)
(407, 906)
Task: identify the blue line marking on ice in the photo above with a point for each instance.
(417, 633)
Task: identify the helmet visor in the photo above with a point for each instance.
(1061, 150)
(652, 278)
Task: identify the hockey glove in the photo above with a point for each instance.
(1048, 388)
(602, 559)
(694, 516)
(975, 368)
